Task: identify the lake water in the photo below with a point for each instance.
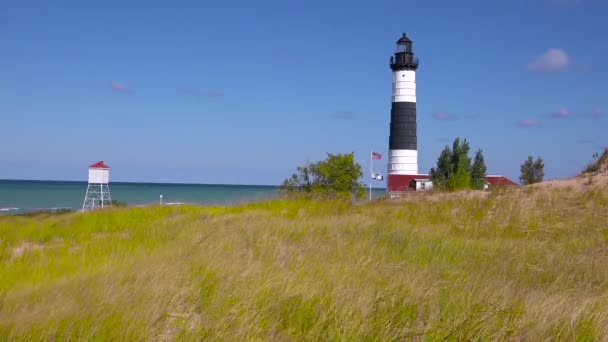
(20, 196)
(24, 196)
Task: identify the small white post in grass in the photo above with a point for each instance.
(161, 199)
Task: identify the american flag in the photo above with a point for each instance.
(376, 155)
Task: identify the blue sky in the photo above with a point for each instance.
(242, 92)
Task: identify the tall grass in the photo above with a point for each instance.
(513, 264)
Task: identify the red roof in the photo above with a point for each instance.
(500, 181)
(99, 165)
(400, 183)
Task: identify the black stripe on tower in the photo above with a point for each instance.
(403, 126)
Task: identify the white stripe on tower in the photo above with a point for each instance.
(404, 86)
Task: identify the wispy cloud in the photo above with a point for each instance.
(199, 93)
(528, 123)
(551, 61)
(119, 87)
(443, 116)
(597, 113)
(565, 113)
(562, 113)
(214, 93)
(345, 115)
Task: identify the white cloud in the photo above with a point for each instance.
(120, 87)
(443, 116)
(563, 113)
(526, 123)
(551, 61)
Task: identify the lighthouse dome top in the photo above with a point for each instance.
(99, 165)
(404, 39)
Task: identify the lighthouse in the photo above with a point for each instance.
(403, 145)
(402, 170)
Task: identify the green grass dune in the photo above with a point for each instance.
(527, 263)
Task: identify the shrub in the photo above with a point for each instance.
(336, 176)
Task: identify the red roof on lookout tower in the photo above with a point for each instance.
(99, 165)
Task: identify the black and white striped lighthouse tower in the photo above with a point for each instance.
(403, 149)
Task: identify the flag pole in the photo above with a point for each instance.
(371, 172)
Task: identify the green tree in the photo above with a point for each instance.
(336, 176)
(444, 170)
(453, 171)
(532, 171)
(478, 172)
(460, 155)
(461, 179)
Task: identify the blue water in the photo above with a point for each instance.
(24, 196)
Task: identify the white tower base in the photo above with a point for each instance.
(98, 196)
(403, 162)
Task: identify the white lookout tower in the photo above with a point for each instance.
(98, 191)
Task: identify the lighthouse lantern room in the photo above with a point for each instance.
(98, 189)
